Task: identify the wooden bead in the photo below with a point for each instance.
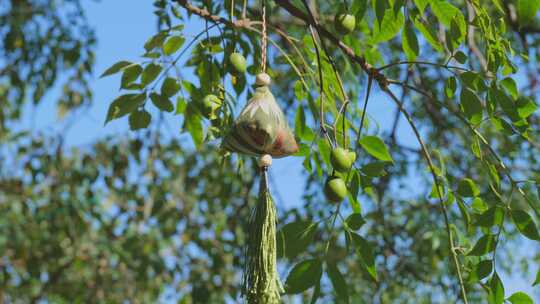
(263, 79)
(265, 161)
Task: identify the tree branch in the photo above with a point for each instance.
(294, 11)
(204, 13)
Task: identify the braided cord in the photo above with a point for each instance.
(264, 38)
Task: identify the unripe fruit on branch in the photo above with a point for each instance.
(238, 62)
(352, 157)
(210, 104)
(341, 160)
(335, 189)
(344, 23)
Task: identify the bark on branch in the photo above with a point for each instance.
(295, 12)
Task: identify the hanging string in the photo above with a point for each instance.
(232, 10)
(232, 20)
(264, 38)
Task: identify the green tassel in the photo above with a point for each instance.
(261, 279)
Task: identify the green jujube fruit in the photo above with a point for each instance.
(352, 157)
(238, 62)
(340, 159)
(344, 23)
(335, 189)
(210, 104)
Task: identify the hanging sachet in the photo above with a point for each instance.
(261, 128)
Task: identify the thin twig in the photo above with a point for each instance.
(364, 110)
(321, 88)
(334, 69)
(446, 66)
(427, 156)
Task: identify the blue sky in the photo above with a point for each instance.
(122, 27)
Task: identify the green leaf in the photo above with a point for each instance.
(511, 87)
(324, 150)
(155, 41)
(115, 68)
(481, 271)
(484, 245)
(467, 188)
(170, 87)
(180, 105)
(339, 283)
(499, 97)
(421, 4)
(179, 27)
(446, 13)
(435, 192)
(152, 55)
(499, 6)
(450, 86)
(303, 276)
(460, 57)
(131, 73)
(376, 148)
(380, 8)
(173, 44)
(479, 205)
(537, 186)
(409, 42)
(301, 128)
(472, 80)
(464, 213)
(358, 8)
(124, 105)
(471, 106)
(295, 237)
(455, 36)
(366, 255)
(496, 292)
(526, 107)
(527, 10)
(355, 221)
(476, 149)
(428, 33)
(316, 293)
(492, 217)
(307, 159)
(389, 27)
(537, 279)
(520, 298)
(139, 120)
(525, 224)
(354, 189)
(374, 169)
(150, 73)
(161, 102)
(193, 124)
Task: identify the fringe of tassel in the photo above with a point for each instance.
(261, 279)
